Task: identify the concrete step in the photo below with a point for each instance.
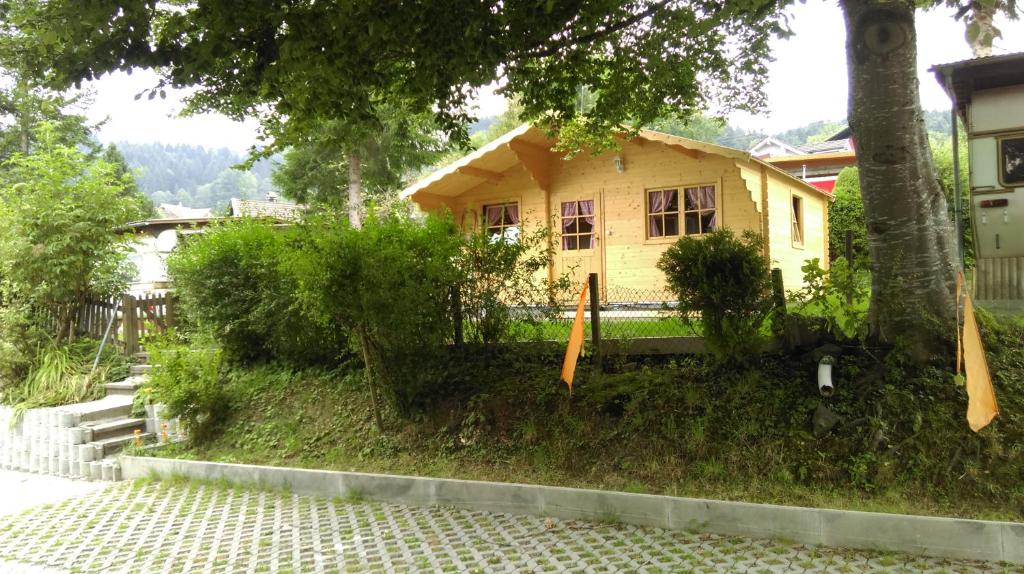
(109, 407)
(139, 369)
(111, 445)
(115, 428)
(126, 387)
(142, 357)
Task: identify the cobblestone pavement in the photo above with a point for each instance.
(188, 527)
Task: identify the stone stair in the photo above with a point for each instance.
(78, 440)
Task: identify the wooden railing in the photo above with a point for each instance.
(134, 318)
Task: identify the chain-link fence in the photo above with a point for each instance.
(623, 313)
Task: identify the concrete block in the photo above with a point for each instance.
(488, 496)
(86, 452)
(115, 471)
(932, 536)
(764, 521)
(83, 470)
(106, 471)
(63, 466)
(572, 503)
(95, 470)
(1013, 542)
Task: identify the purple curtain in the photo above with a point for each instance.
(692, 199)
(493, 215)
(709, 219)
(587, 211)
(707, 197)
(512, 211)
(656, 204)
(568, 217)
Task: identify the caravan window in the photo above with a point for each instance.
(1011, 160)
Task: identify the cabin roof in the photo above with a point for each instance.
(500, 155)
(961, 79)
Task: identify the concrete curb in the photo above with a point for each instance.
(922, 535)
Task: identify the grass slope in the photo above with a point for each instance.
(683, 427)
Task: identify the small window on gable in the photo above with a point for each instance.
(798, 220)
(502, 221)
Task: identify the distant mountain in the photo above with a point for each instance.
(193, 175)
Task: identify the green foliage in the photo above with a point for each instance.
(315, 170)
(61, 374)
(58, 238)
(296, 65)
(501, 274)
(839, 295)
(846, 214)
(195, 176)
(942, 154)
(230, 283)
(188, 382)
(389, 284)
(724, 280)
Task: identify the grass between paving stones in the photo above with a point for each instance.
(684, 427)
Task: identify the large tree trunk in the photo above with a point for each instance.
(355, 191)
(910, 235)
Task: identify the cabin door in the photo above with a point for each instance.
(579, 231)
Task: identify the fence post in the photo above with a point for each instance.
(595, 317)
(170, 317)
(130, 324)
(778, 301)
(456, 297)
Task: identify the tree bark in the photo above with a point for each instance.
(910, 234)
(355, 191)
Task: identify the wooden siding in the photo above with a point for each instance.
(627, 257)
(999, 278)
(782, 251)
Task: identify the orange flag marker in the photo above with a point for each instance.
(572, 350)
(981, 396)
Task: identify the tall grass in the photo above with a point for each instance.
(62, 374)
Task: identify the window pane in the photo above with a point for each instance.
(690, 202)
(570, 243)
(586, 241)
(672, 200)
(707, 221)
(707, 197)
(585, 227)
(692, 223)
(1013, 160)
(507, 219)
(494, 231)
(654, 202)
(672, 224)
(573, 226)
(654, 226)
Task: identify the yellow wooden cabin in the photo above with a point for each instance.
(616, 212)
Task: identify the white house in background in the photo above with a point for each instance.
(770, 146)
(818, 164)
(156, 238)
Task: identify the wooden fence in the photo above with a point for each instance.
(134, 318)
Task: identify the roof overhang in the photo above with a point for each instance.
(529, 146)
(848, 157)
(961, 79)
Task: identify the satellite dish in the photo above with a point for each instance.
(166, 240)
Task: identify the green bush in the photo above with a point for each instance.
(840, 296)
(499, 275)
(187, 381)
(230, 283)
(723, 279)
(846, 213)
(389, 284)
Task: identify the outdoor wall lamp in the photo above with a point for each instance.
(619, 167)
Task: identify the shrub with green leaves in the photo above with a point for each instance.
(846, 214)
(723, 280)
(839, 295)
(499, 275)
(59, 244)
(230, 283)
(389, 284)
(188, 382)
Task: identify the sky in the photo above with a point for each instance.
(807, 82)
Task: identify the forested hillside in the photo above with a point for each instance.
(194, 175)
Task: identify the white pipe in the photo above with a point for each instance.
(825, 385)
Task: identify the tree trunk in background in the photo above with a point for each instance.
(355, 191)
(981, 29)
(910, 235)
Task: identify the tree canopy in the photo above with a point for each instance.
(292, 64)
